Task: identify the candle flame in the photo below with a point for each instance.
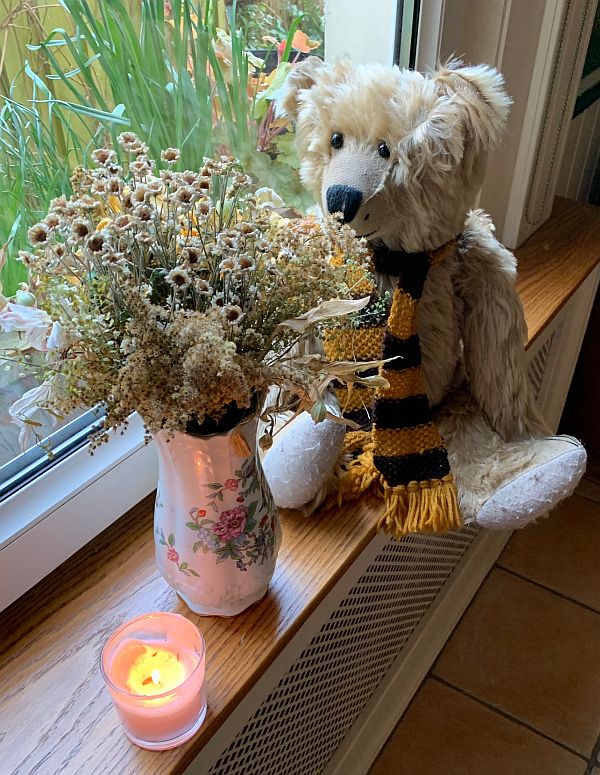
(156, 677)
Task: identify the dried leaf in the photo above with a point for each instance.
(343, 421)
(240, 445)
(324, 311)
(376, 381)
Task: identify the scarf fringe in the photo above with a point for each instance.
(360, 476)
(419, 507)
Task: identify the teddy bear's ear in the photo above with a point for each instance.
(481, 97)
(301, 76)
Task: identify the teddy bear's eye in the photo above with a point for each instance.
(383, 150)
(337, 140)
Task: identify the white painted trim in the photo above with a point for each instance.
(540, 45)
(557, 379)
(507, 207)
(580, 158)
(560, 53)
(503, 33)
(227, 732)
(50, 518)
(368, 735)
(562, 87)
(431, 23)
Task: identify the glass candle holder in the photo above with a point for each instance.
(154, 669)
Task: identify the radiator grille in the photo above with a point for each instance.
(300, 724)
(538, 365)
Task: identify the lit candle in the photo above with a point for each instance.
(156, 670)
(154, 667)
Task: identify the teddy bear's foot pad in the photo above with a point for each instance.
(535, 492)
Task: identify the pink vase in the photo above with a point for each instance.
(217, 531)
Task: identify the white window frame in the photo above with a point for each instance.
(48, 519)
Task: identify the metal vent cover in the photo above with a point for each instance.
(538, 365)
(303, 720)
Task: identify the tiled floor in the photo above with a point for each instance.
(516, 690)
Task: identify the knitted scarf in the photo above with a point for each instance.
(397, 450)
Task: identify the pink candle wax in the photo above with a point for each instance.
(154, 670)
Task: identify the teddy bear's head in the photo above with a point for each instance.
(401, 155)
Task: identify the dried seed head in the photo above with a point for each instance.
(227, 265)
(191, 255)
(26, 258)
(140, 167)
(127, 139)
(103, 156)
(52, 220)
(95, 243)
(39, 234)
(58, 205)
(170, 155)
(139, 194)
(122, 222)
(203, 287)
(184, 195)
(143, 213)
(114, 186)
(245, 262)
(80, 229)
(188, 177)
(178, 278)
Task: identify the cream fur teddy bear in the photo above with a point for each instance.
(402, 157)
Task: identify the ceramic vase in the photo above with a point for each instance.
(217, 532)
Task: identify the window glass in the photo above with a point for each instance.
(71, 78)
(275, 19)
(406, 35)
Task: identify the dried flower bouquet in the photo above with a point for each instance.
(179, 294)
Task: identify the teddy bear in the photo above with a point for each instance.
(401, 156)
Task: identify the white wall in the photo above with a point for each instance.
(363, 29)
(475, 30)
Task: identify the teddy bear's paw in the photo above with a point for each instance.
(534, 492)
(301, 461)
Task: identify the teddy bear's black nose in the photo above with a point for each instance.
(345, 200)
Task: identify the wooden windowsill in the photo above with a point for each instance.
(56, 713)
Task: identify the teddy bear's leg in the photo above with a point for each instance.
(509, 468)
(300, 464)
(506, 484)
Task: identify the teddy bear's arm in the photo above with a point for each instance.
(494, 332)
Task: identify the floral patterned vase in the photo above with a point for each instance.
(217, 531)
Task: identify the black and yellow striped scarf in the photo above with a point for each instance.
(398, 451)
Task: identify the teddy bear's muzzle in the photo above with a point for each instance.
(345, 200)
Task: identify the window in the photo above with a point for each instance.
(40, 147)
(61, 94)
(37, 168)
